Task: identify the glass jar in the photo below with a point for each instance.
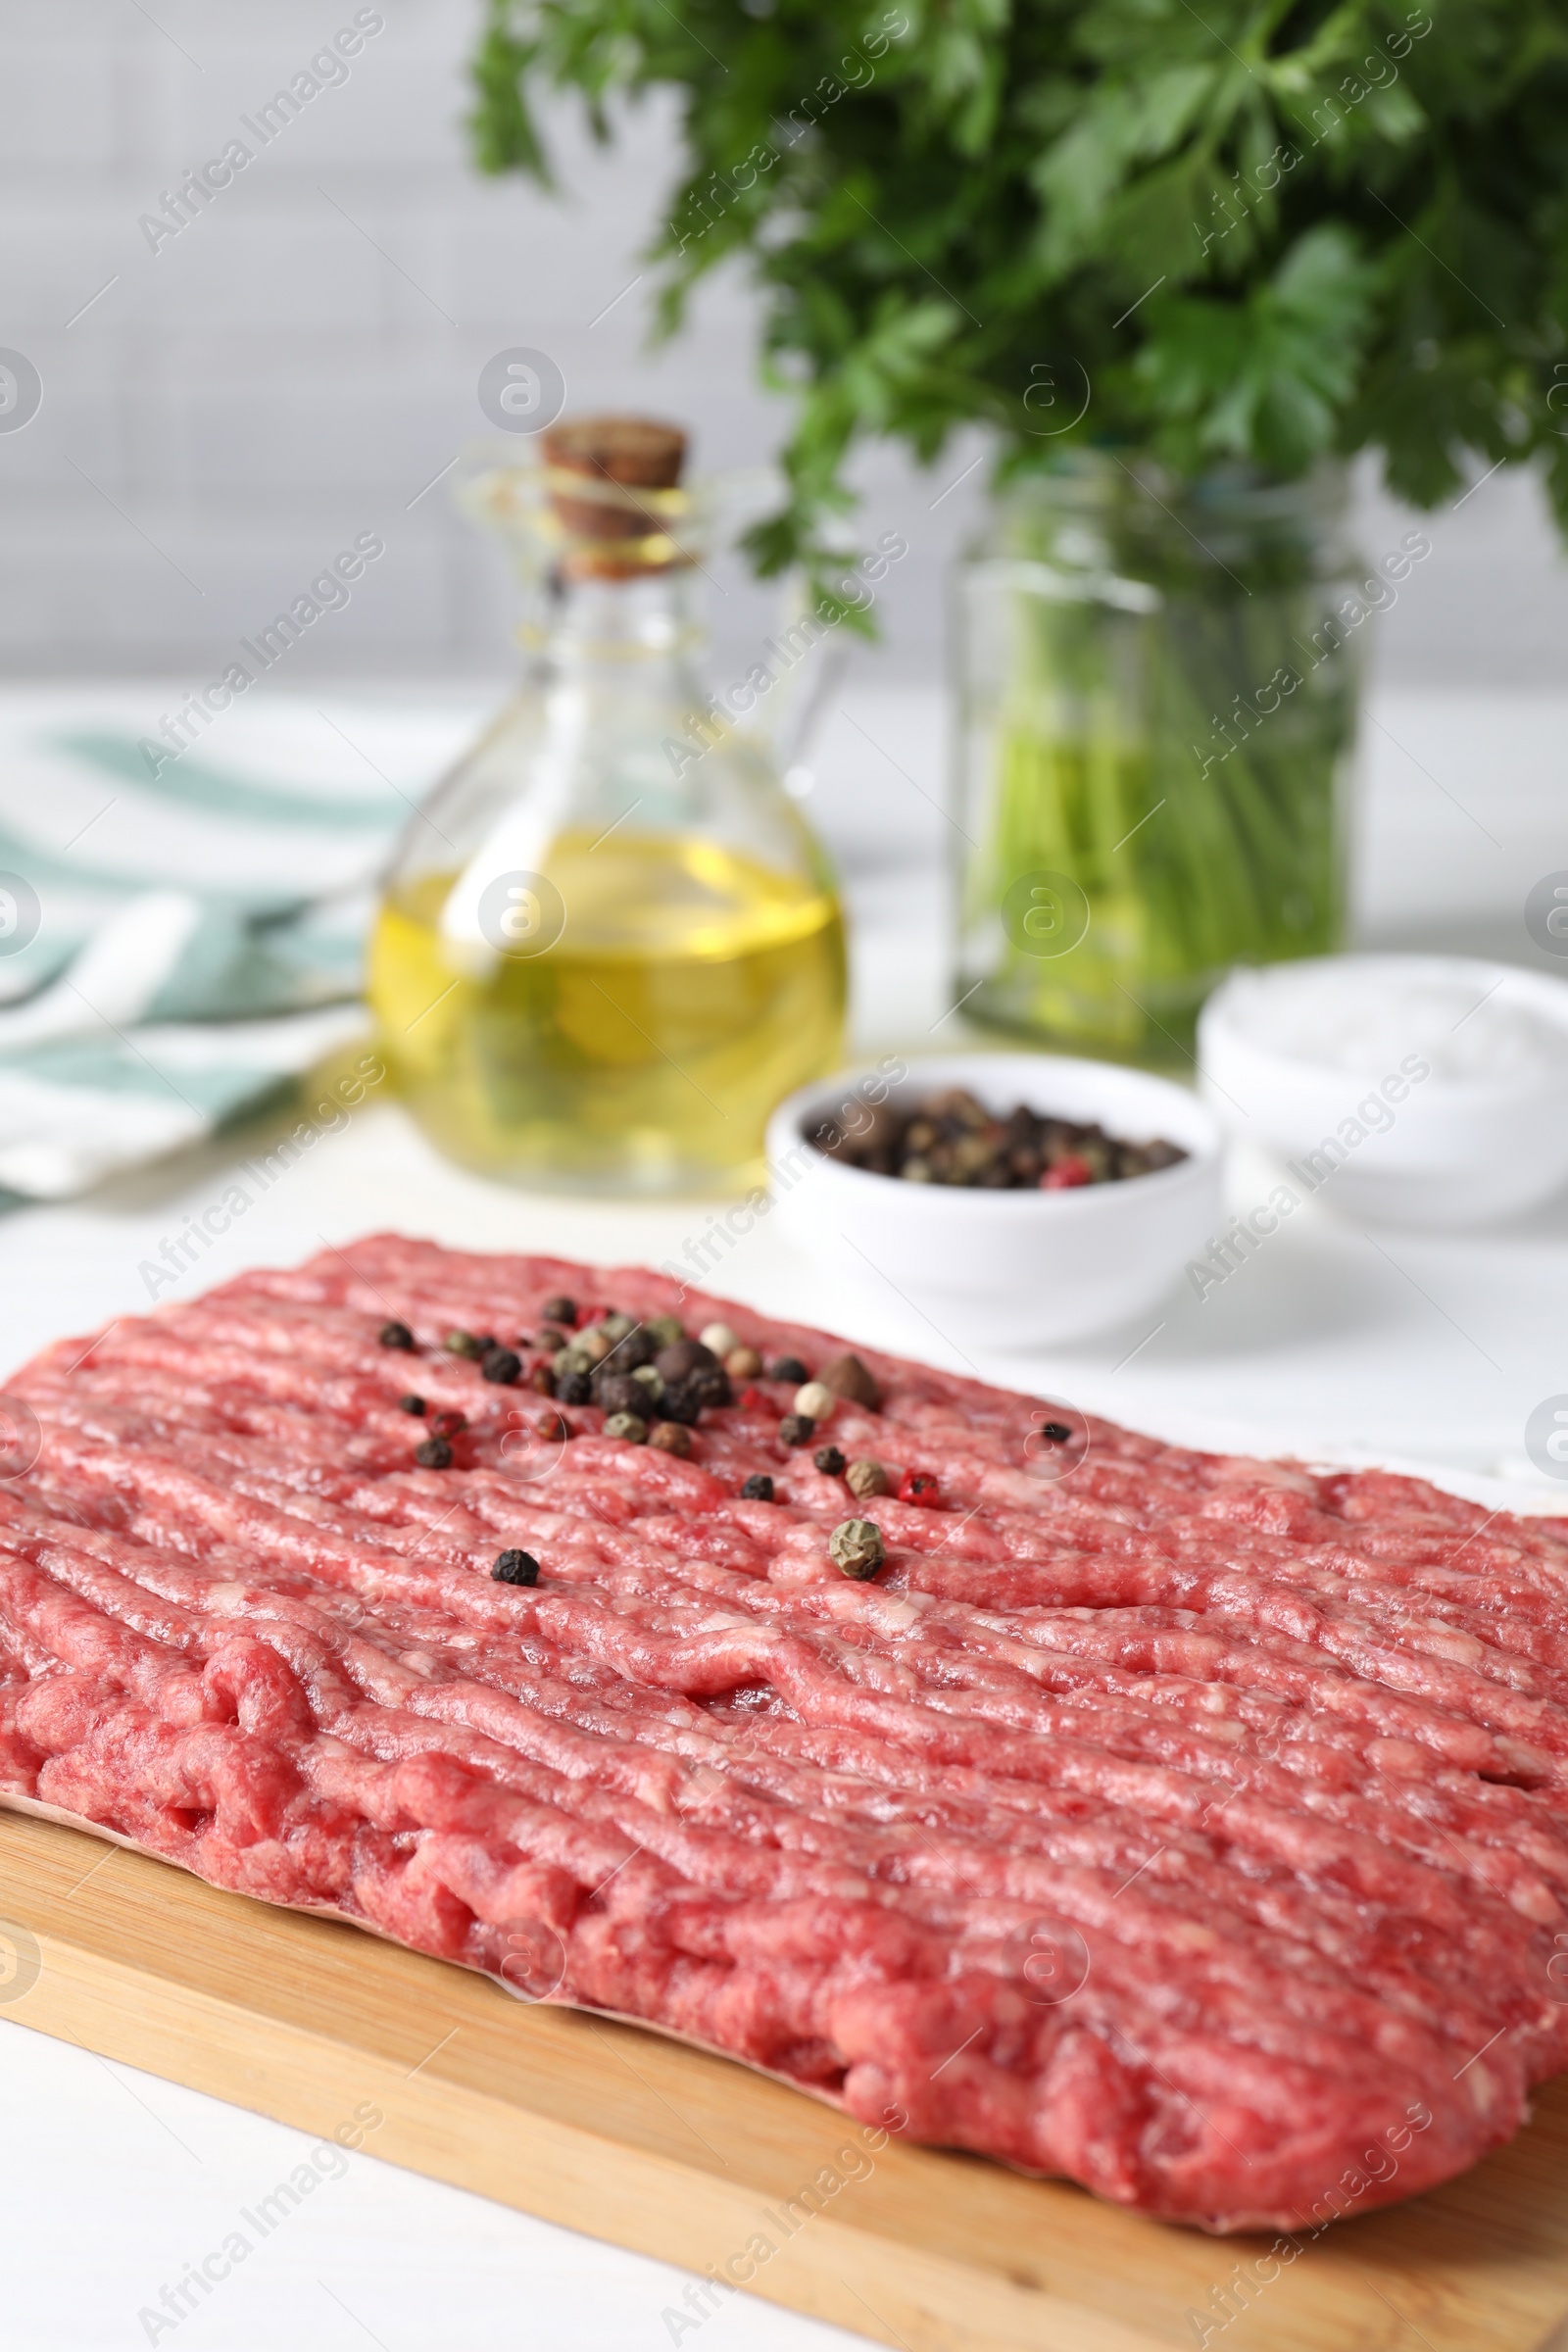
(609, 942)
(1158, 693)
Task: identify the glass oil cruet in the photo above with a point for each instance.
(609, 942)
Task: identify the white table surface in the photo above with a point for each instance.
(1331, 1342)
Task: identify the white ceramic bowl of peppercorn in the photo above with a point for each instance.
(1014, 1198)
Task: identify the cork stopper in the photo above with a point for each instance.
(613, 484)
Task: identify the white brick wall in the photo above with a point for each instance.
(280, 377)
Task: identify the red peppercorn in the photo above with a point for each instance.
(1067, 1172)
(752, 1400)
(919, 1485)
(447, 1425)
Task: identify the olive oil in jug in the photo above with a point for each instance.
(609, 942)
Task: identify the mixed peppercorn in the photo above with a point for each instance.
(651, 1381)
(951, 1139)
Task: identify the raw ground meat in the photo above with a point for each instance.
(1196, 1828)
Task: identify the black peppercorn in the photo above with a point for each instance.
(678, 1401)
(790, 1368)
(573, 1388)
(619, 1392)
(515, 1568)
(501, 1365)
(796, 1428)
(758, 1487)
(829, 1460)
(688, 1364)
(434, 1454)
(635, 1346)
(410, 1405)
(396, 1335)
(1057, 1431)
(560, 1310)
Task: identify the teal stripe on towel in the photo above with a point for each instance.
(194, 785)
(215, 1088)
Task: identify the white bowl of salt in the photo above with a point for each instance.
(1416, 1089)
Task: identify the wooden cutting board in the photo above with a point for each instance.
(640, 2140)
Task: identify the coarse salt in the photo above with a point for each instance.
(1363, 1015)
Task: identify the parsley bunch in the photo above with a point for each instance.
(1241, 232)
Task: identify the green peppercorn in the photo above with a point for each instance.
(463, 1344)
(630, 1426)
(856, 1545)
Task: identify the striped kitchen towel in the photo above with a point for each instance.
(176, 948)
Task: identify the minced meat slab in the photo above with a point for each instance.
(1192, 1827)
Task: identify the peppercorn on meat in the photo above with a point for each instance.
(1188, 1826)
